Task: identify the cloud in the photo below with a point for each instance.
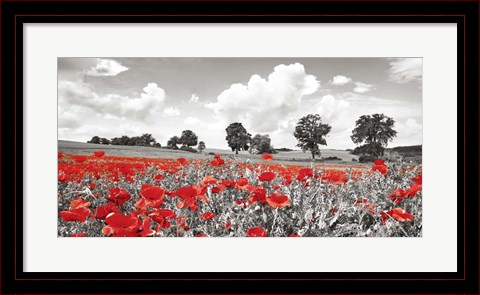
(362, 87)
(106, 67)
(171, 112)
(403, 70)
(67, 119)
(194, 98)
(192, 121)
(340, 80)
(143, 108)
(263, 104)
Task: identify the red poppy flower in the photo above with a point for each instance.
(217, 156)
(99, 154)
(182, 161)
(80, 159)
(370, 208)
(398, 214)
(257, 232)
(418, 179)
(208, 180)
(267, 157)
(294, 236)
(161, 216)
(158, 177)
(120, 225)
(228, 225)
(201, 235)
(103, 211)
(414, 189)
(79, 203)
(335, 176)
(143, 230)
(79, 214)
(360, 201)
(379, 165)
(119, 196)
(151, 196)
(207, 216)
(242, 182)
(92, 185)
(278, 201)
(60, 155)
(228, 183)
(257, 193)
(267, 176)
(305, 173)
(78, 235)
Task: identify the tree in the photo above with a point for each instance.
(188, 138)
(376, 131)
(172, 142)
(262, 143)
(95, 140)
(104, 140)
(237, 137)
(147, 140)
(201, 146)
(310, 132)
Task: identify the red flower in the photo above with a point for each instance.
(360, 201)
(267, 157)
(305, 173)
(278, 201)
(207, 216)
(182, 161)
(379, 165)
(161, 216)
(201, 235)
(257, 193)
(151, 196)
(294, 236)
(242, 183)
(414, 189)
(158, 177)
(79, 203)
(143, 230)
(335, 176)
(119, 196)
(418, 179)
(228, 183)
(99, 154)
(60, 155)
(217, 156)
(257, 232)
(208, 180)
(79, 214)
(80, 159)
(121, 225)
(228, 225)
(103, 211)
(398, 214)
(92, 185)
(78, 235)
(267, 176)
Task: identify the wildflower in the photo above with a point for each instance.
(267, 176)
(278, 201)
(257, 232)
(267, 157)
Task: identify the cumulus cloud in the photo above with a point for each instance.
(68, 119)
(340, 80)
(140, 108)
(403, 70)
(106, 67)
(192, 121)
(194, 98)
(362, 87)
(171, 112)
(263, 104)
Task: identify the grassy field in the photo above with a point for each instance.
(291, 158)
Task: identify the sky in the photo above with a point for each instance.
(110, 97)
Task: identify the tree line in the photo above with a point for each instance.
(371, 133)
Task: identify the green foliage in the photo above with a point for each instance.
(376, 131)
(261, 144)
(310, 133)
(237, 137)
(188, 138)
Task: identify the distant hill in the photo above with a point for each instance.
(412, 149)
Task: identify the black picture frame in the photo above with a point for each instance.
(16, 13)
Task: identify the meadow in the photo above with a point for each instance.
(106, 191)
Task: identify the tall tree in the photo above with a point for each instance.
(173, 141)
(237, 137)
(376, 131)
(147, 140)
(104, 140)
(188, 138)
(311, 132)
(261, 143)
(94, 139)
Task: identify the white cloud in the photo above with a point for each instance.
(263, 104)
(192, 121)
(403, 70)
(340, 80)
(171, 112)
(106, 67)
(194, 98)
(143, 108)
(67, 119)
(362, 87)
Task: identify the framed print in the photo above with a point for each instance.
(317, 147)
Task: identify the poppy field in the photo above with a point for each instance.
(110, 196)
